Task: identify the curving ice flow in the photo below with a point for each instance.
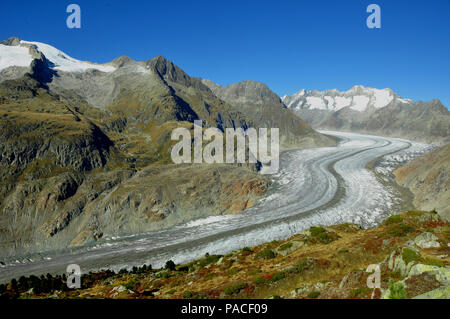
(315, 186)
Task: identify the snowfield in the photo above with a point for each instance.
(20, 56)
(360, 103)
(315, 186)
(10, 56)
(65, 63)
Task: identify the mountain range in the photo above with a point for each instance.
(374, 111)
(85, 147)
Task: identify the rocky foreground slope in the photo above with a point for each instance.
(428, 179)
(374, 111)
(85, 148)
(410, 249)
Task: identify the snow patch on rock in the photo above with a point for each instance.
(360, 103)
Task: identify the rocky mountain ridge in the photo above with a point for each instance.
(264, 106)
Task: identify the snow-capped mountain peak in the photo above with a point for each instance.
(358, 98)
(14, 52)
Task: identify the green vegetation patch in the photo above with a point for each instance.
(362, 292)
(348, 228)
(130, 284)
(266, 253)
(187, 294)
(396, 290)
(285, 246)
(260, 280)
(316, 231)
(313, 294)
(277, 276)
(304, 264)
(414, 213)
(446, 233)
(409, 255)
(400, 229)
(269, 279)
(321, 235)
(210, 276)
(208, 259)
(233, 271)
(394, 220)
(433, 262)
(235, 289)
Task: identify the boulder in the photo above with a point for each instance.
(396, 261)
(426, 240)
(442, 274)
(439, 293)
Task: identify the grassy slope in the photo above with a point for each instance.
(319, 263)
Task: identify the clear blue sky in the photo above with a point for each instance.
(289, 45)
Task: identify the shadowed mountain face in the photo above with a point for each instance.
(85, 148)
(374, 111)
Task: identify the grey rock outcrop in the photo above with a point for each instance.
(427, 240)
